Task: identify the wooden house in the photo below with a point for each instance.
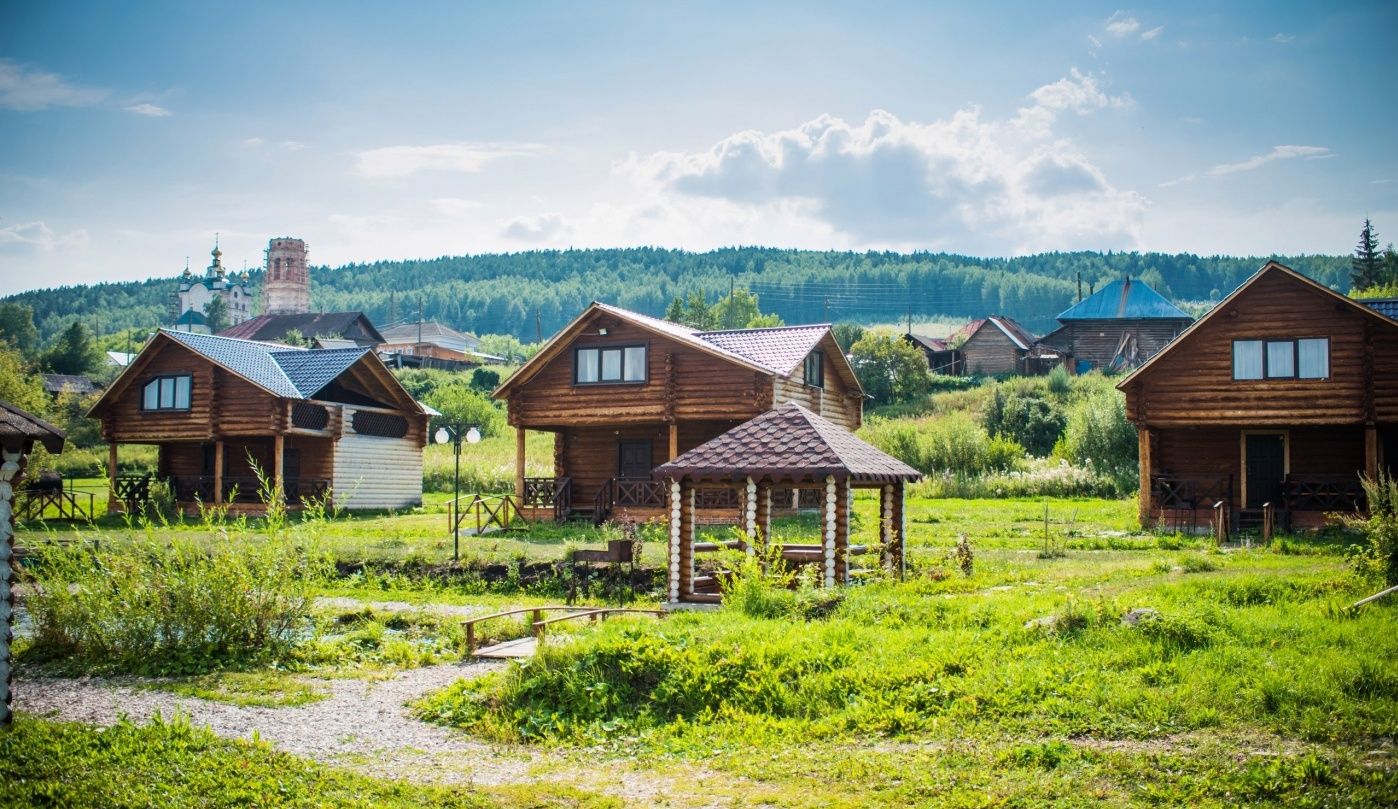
(941, 357)
(349, 328)
(623, 393)
(221, 409)
(1117, 328)
(999, 345)
(1283, 394)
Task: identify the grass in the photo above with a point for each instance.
(171, 764)
(261, 689)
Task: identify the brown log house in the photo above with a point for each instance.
(1283, 394)
(221, 409)
(623, 393)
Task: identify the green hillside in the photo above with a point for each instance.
(536, 293)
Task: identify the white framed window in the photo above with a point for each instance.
(1247, 359)
(166, 393)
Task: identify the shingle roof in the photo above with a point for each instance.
(251, 360)
(1388, 307)
(787, 443)
(1020, 336)
(1124, 299)
(309, 371)
(191, 318)
(15, 422)
(275, 327)
(779, 348)
(57, 383)
(929, 343)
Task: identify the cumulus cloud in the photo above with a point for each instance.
(402, 161)
(534, 229)
(964, 183)
(27, 89)
(148, 110)
(31, 237)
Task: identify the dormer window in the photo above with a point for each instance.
(596, 366)
(815, 369)
(166, 393)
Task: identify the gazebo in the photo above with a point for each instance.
(786, 447)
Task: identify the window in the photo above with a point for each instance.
(166, 393)
(1306, 358)
(621, 364)
(815, 369)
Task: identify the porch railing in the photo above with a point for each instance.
(1182, 498)
(1323, 493)
(627, 493)
(554, 493)
(239, 489)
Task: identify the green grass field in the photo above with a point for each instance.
(1246, 683)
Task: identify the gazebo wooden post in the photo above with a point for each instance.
(111, 477)
(764, 514)
(845, 497)
(675, 531)
(686, 554)
(750, 516)
(888, 554)
(900, 526)
(831, 509)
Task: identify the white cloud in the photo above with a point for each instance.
(402, 161)
(1152, 33)
(535, 229)
(1277, 153)
(27, 89)
(962, 183)
(1282, 39)
(251, 143)
(148, 110)
(31, 237)
(1122, 25)
(292, 145)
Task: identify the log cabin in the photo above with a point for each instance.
(221, 410)
(623, 393)
(941, 357)
(1116, 328)
(999, 345)
(1282, 395)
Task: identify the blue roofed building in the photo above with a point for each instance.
(1117, 328)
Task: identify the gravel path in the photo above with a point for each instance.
(365, 724)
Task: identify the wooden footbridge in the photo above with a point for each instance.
(527, 646)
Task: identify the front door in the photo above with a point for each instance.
(1266, 467)
(1389, 437)
(633, 459)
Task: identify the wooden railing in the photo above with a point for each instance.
(485, 511)
(241, 489)
(41, 503)
(132, 490)
(554, 493)
(1323, 493)
(627, 493)
(539, 624)
(1182, 498)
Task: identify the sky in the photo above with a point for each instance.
(134, 134)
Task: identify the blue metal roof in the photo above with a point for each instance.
(1388, 307)
(1124, 299)
(295, 373)
(312, 370)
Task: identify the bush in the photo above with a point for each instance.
(178, 608)
(1378, 560)
(1098, 434)
(1029, 419)
(952, 444)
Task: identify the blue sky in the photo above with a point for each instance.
(131, 133)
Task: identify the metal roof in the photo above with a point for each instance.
(787, 443)
(310, 324)
(1388, 307)
(309, 371)
(779, 348)
(251, 360)
(1124, 299)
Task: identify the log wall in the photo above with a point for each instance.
(991, 351)
(1096, 341)
(123, 420)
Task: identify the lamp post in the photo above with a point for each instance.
(455, 432)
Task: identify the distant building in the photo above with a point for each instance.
(430, 339)
(941, 357)
(344, 329)
(195, 293)
(286, 280)
(1117, 328)
(55, 384)
(1000, 345)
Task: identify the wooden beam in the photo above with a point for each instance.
(1371, 451)
(674, 440)
(519, 463)
(749, 505)
(764, 512)
(111, 475)
(1143, 435)
(686, 549)
(844, 497)
(278, 453)
(676, 531)
(900, 526)
(218, 472)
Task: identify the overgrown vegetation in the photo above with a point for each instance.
(1377, 560)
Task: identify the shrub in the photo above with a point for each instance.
(177, 608)
(1378, 560)
(1097, 433)
(1028, 419)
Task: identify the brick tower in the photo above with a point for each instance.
(286, 285)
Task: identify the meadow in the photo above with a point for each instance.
(1070, 658)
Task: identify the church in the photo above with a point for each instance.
(286, 289)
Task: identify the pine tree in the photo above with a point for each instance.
(1366, 267)
(74, 352)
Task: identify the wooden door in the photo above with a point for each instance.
(1266, 467)
(1388, 439)
(633, 459)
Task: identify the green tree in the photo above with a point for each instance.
(74, 352)
(889, 369)
(485, 380)
(295, 338)
(740, 310)
(459, 403)
(507, 347)
(1029, 419)
(1367, 265)
(19, 384)
(693, 311)
(847, 334)
(70, 413)
(216, 313)
(17, 326)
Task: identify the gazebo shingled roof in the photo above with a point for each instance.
(788, 443)
(22, 425)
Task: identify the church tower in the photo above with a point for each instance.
(286, 284)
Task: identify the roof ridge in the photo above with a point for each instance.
(767, 328)
(235, 339)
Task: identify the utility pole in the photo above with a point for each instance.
(825, 309)
(419, 320)
(1079, 286)
(538, 327)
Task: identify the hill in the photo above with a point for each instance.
(536, 293)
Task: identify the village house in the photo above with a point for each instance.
(942, 358)
(326, 329)
(221, 410)
(1117, 328)
(1000, 345)
(623, 393)
(1281, 396)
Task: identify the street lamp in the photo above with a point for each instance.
(455, 433)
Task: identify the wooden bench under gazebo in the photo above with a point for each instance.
(787, 447)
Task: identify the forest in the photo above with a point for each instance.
(530, 295)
